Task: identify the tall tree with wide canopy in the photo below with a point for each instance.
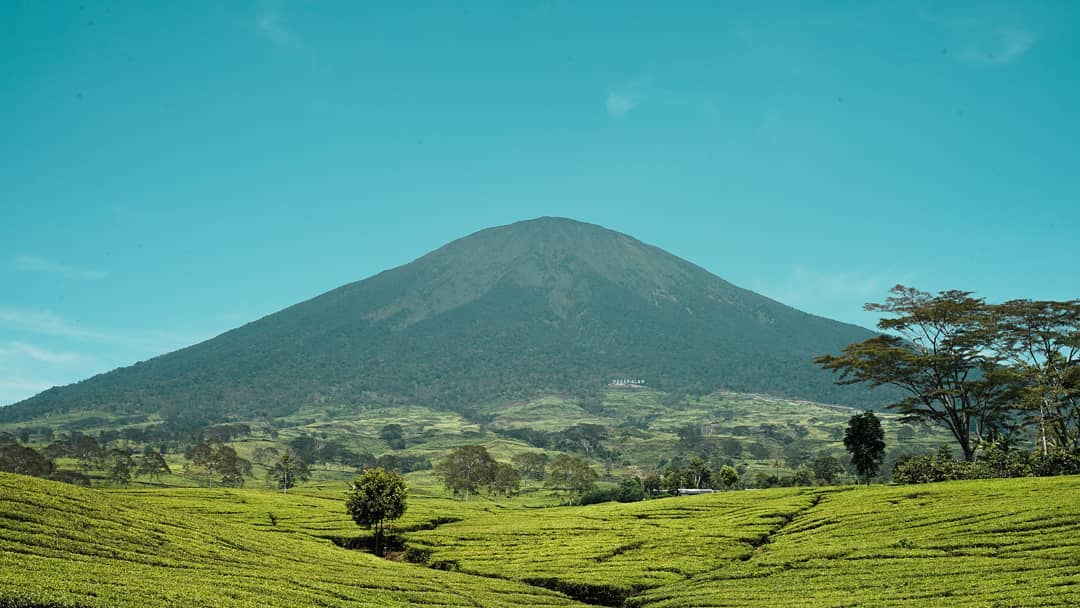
(466, 469)
(939, 352)
(1041, 341)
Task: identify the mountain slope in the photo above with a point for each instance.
(542, 305)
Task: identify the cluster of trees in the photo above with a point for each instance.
(695, 474)
(115, 464)
(986, 372)
(469, 468)
(996, 460)
(314, 450)
(213, 459)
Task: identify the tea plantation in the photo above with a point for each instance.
(978, 543)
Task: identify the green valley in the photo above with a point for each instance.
(1008, 542)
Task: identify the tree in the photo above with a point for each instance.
(15, 458)
(288, 470)
(728, 476)
(571, 475)
(153, 465)
(866, 442)
(826, 468)
(266, 456)
(939, 356)
(531, 464)
(506, 479)
(118, 466)
(730, 447)
(466, 469)
(698, 474)
(630, 489)
(652, 484)
(394, 436)
(214, 457)
(1041, 341)
(375, 497)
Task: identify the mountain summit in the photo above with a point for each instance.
(545, 305)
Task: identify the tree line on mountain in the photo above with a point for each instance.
(992, 374)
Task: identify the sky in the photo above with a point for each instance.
(169, 171)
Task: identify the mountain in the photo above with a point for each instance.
(546, 305)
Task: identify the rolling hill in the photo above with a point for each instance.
(542, 306)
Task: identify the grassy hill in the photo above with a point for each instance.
(548, 305)
(981, 543)
(62, 546)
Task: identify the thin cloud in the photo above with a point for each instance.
(618, 104)
(37, 353)
(627, 96)
(33, 263)
(45, 322)
(1003, 47)
(978, 40)
(835, 295)
(273, 27)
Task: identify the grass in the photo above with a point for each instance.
(65, 546)
(1013, 542)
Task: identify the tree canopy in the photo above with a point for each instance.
(467, 468)
(375, 497)
(571, 475)
(866, 442)
(936, 353)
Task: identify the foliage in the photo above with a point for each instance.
(571, 475)
(394, 436)
(153, 465)
(728, 476)
(506, 480)
(216, 458)
(532, 465)
(866, 442)
(826, 468)
(1041, 340)
(938, 356)
(995, 462)
(375, 497)
(15, 458)
(119, 466)
(467, 468)
(287, 470)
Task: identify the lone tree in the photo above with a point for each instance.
(466, 469)
(374, 498)
(940, 357)
(288, 469)
(866, 442)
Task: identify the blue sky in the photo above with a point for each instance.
(170, 171)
